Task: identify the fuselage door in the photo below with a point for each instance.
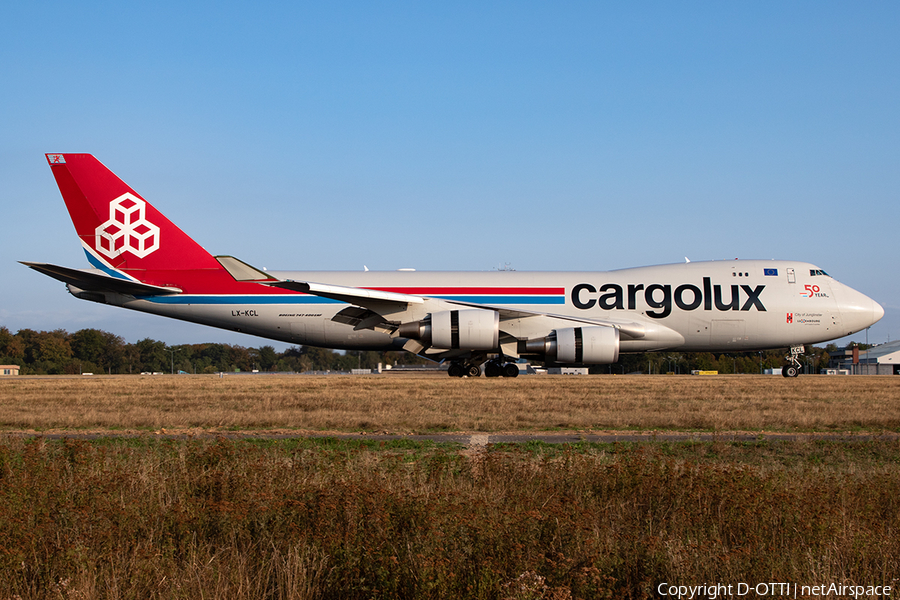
(308, 331)
(728, 332)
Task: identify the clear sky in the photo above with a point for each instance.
(457, 136)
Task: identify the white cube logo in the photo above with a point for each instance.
(127, 229)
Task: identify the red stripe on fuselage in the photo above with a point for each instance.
(217, 281)
(451, 291)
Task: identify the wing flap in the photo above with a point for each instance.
(364, 318)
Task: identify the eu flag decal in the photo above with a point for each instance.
(770, 272)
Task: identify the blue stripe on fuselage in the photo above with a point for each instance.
(260, 299)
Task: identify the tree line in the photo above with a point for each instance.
(726, 363)
(96, 351)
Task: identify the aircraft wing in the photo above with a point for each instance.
(382, 303)
(95, 281)
(632, 329)
(350, 295)
(370, 309)
(378, 309)
(375, 299)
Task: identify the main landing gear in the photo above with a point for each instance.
(492, 368)
(793, 368)
(463, 370)
(496, 368)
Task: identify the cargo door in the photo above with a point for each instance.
(728, 333)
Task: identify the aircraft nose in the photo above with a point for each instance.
(877, 311)
(858, 310)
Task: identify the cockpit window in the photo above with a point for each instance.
(815, 272)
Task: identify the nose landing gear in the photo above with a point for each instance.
(793, 369)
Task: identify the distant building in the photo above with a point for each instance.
(877, 360)
(9, 369)
(567, 371)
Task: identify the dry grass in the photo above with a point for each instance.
(155, 518)
(433, 404)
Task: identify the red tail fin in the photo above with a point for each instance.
(117, 227)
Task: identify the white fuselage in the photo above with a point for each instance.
(736, 305)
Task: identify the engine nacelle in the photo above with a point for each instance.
(467, 329)
(578, 345)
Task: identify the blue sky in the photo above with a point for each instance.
(550, 136)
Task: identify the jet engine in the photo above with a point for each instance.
(466, 329)
(578, 345)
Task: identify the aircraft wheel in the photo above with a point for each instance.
(473, 371)
(492, 369)
(790, 371)
(510, 370)
(456, 370)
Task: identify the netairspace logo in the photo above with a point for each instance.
(713, 591)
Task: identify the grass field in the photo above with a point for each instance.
(435, 404)
(147, 516)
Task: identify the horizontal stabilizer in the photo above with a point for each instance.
(96, 282)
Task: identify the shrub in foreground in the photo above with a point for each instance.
(302, 519)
